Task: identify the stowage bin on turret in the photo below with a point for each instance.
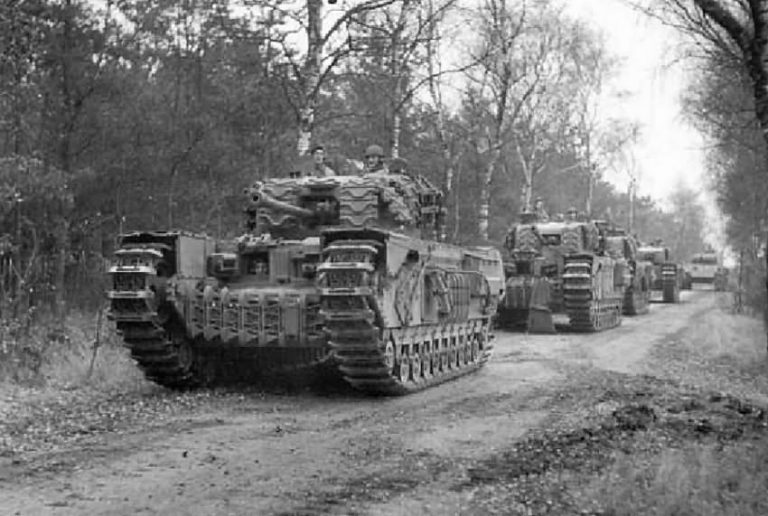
(344, 270)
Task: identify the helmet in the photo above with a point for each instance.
(399, 165)
(374, 150)
(571, 211)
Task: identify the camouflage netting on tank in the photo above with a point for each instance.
(378, 199)
(531, 238)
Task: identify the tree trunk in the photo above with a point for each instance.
(456, 206)
(527, 188)
(485, 192)
(62, 243)
(396, 121)
(312, 66)
(434, 90)
(396, 69)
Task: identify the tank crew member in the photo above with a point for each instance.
(320, 168)
(538, 208)
(399, 166)
(572, 215)
(374, 160)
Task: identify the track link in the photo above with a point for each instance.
(585, 313)
(670, 290)
(156, 341)
(389, 361)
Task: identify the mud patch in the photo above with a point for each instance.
(542, 473)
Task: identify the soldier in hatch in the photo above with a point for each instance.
(572, 215)
(538, 209)
(374, 160)
(320, 169)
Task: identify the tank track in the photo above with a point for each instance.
(160, 346)
(155, 339)
(390, 361)
(584, 312)
(670, 290)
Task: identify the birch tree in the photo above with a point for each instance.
(568, 81)
(515, 89)
(325, 48)
(397, 48)
(497, 88)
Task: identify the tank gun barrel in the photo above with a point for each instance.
(259, 198)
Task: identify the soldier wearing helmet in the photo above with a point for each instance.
(374, 160)
(572, 215)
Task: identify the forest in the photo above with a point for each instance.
(123, 115)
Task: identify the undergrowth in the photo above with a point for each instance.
(84, 351)
(700, 479)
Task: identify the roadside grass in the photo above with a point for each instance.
(700, 479)
(724, 352)
(50, 357)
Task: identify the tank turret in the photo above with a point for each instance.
(261, 199)
(298, 207)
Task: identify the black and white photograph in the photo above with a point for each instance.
(384, 257)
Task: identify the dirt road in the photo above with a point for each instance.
(341, 453)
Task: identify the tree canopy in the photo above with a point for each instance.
(154, 114)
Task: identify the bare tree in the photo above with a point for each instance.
(736, 31)
(536, 62)
(324, 51)
(497, 88)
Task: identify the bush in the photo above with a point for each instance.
(48, 353)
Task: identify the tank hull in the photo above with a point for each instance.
(186, 329)
(342, 274)
(387, 312)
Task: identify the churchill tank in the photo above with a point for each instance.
(623, 246)
(346, 273)
(667, 276)
(561, 267)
